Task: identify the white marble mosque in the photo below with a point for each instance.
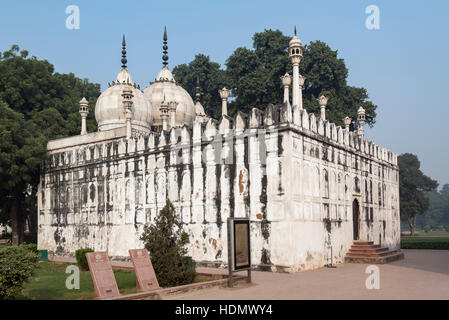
(309, 187)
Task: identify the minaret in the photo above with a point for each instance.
(361, 120)
(224, 94)
(127, 95)
(172, 108)
(323, 102)
(84, 111)
(165, 48)
(286, 82)
(296, 52)
(347, 122)
(301, 84)
(164, 114)
(124, 61)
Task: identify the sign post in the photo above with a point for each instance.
(102, 275)
(239, 247)
(145, 275)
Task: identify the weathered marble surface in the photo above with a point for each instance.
(294, 175)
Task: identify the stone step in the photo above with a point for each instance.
(365, 246)
(371, 254)
(363, 242)
(392, 256)
(367, 250)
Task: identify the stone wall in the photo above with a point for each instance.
(295, 176)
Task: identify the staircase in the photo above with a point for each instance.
(368, 252)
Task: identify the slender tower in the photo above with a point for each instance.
(84, 111)
(224, 93)
(295, 50)
(164, 109)
(323, 102)
(172, 109)
(127, 95)
(361, 117)
(286, 82)
(347, 122)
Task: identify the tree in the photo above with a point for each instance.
(326, 74)
(253, 75)
(438, 213)
(36, 105)
(211, 79)
(412, 184)
(166, 242)
(22, 149)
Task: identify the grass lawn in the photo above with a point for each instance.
(49, 283)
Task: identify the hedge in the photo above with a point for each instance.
(433, 245)
(81, 259)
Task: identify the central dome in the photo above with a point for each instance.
(109, 111)
(166, 88)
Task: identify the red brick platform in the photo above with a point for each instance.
(368, 252)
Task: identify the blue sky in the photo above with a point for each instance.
(404, 65)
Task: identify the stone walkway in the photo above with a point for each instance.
(423, 274)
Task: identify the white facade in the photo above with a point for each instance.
(301, 180)
(100, 192)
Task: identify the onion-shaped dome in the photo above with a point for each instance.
(109, 110)
(199, 110)
(295, 41)
(166, 88)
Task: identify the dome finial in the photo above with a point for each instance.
(124, 61)
(295, 30)
(165, 48)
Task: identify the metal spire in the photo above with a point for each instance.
(124, 53)
(165, 47)
(295, 30)
(198, 94)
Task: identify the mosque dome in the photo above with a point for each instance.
(165, 88)
(295, 41)
(109, 110)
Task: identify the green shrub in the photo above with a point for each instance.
(447, 228)
(166, 242)
(427, 228)
(81, 259)
(30, 246)
(17, 265)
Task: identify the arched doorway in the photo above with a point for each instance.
(355, 219)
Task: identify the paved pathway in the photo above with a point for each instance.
(423, 274)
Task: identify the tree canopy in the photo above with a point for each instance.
(412, 184)
(437, 215)
(253, 75)
(36, 105)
